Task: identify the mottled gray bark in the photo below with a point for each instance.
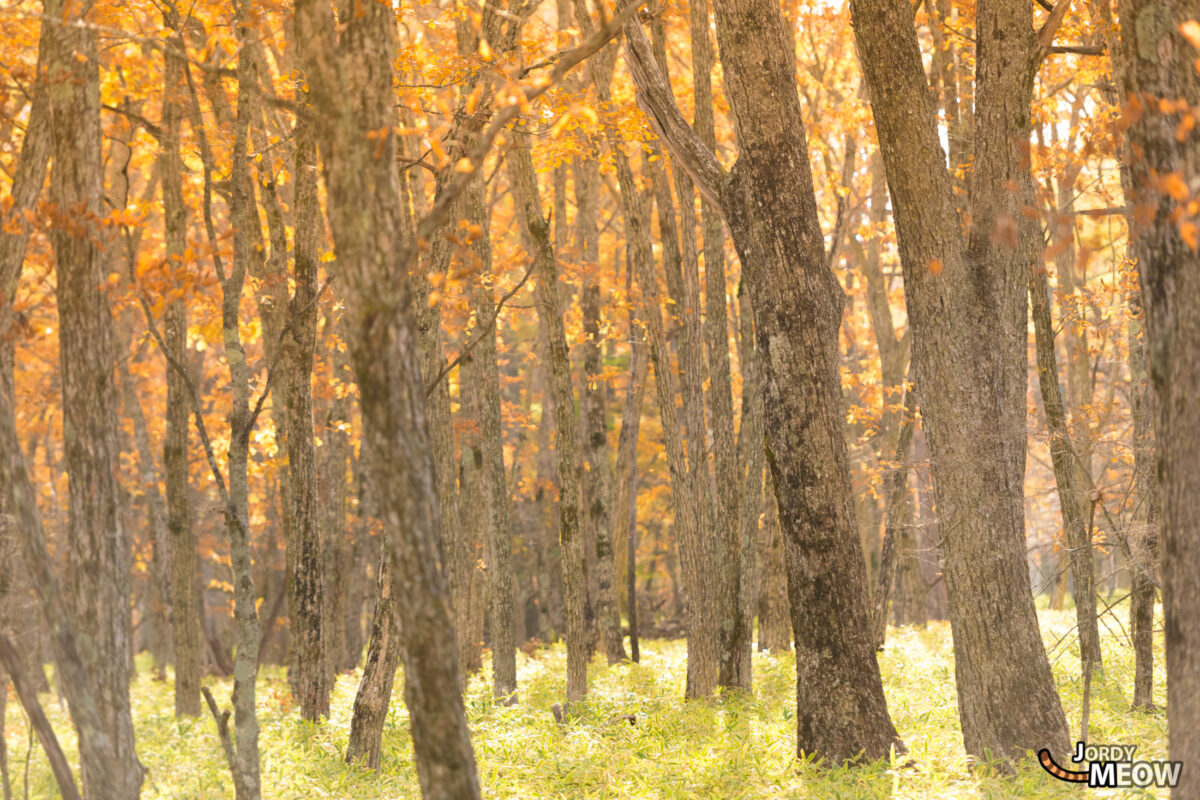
(348, 69)
(98, 547)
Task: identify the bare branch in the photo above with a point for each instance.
(656, 99)
(484, 332)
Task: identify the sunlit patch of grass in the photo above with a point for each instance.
(739, 747)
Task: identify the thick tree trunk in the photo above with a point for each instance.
(97, 545)
(967, 311)
(771, 211)
(348, 69)
(1159, 69)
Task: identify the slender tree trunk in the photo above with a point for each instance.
(348, 69)
(309, 631)
(1143, 592)
(774, 626)
(524, 181)
(156, 617)
(1158, 74)
(1063, 456)
(897, 518)
(485, 375)
(244, 762)
(728, 534)
(383, 655)
(752, 459)
(97, 545)
(625, 501)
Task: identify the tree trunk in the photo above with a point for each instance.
(774, 627)
(185, 610)
(97, 545)
(485, 375)
(771, 211)
(348, 69)
(967, 311)
(728, 531)
(1063, 456)
(625, 502)
(524, 181)
(1159, 69)
(897, 518)
(752, 459)
(383, 655)
(1145, 566)
(309, 631)
(155, 618)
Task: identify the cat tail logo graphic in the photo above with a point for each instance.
(1112, 766)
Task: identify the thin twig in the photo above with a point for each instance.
(484, 332)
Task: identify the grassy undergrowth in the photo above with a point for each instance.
(738, 748)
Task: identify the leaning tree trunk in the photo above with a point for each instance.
(771, 212)
(348, 69)
(98, 548)
(1160, 82)
(967, 310)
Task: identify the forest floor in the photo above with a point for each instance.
(740, 748)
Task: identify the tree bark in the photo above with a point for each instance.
(348, 69)
(897, 517)
(774, 627)
(771, 212)
(967, 311)
(751, 461)
(1145, 566)
(1158, 69)
(524, 181)
(185, 611)
(625, 501)
(310, 639)
(98, 547)
(1063, 456)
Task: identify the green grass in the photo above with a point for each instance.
(740, 748)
